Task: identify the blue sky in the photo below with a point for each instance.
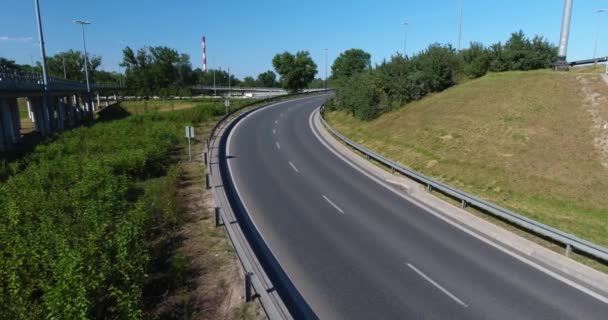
(244, 35)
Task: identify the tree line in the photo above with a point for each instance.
(367, 91)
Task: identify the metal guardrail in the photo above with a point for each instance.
(272, 303)
(17, 80)
(587, 61)
(568, 240)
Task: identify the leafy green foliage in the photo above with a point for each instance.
(152, 69)
(404, 79)
(74, 219)
(296, 71)
(268, 79)
(351, 62)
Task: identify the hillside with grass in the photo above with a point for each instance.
(535, 142)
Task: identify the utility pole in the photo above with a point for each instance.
(42, 49)
(325, 69)
(460, 26)
(82, 23)
(214, 89)
(229, 87)
(65, 74)
(405, 25)
(46, 119)
(597, 35)
(562, 63)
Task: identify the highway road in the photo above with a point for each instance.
(355, 250)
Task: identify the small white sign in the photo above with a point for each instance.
(190, 132)
(227, 103)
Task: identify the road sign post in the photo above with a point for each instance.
(189, 135)
(227, 104)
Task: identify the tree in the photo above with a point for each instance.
(268, 79)
(476, 60)
(157, 70)
(351, 62)
(296, 71)
(249, 82)
(74, 66)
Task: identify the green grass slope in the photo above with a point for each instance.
(524, 140)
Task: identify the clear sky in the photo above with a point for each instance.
(244, 34)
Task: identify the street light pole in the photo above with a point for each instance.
(460, 25)
(597, 35)
(405, 25)
(42, 49)
(65, 74)
(326, 69)
(82, 23)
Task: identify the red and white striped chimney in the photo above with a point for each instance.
(204, 55)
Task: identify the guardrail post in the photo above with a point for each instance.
(568, 250)
(393, 170)
(367, 156)
(463, 204)
(248, 287)
(207, 182)
(429, 188)
(205, 157)
(218, 217)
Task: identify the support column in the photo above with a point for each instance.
(95, 107)
(5, 144)
(77, 109)
(107, 104)
(69, 111)
(30, 113)
(41, 115)
(60, 114)
(11, 124)
(89, 108)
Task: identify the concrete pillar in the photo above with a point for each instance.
(69, 112)
(107, 104)
(11, 124)
(77, 109)
(30, 113)
(95, 107)
(60, 113)
(40, 110)
(115, 99)
(89, 107)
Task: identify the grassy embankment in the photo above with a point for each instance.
(98, 223)
(523, 140)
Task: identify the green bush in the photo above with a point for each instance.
(73, 221)
(404, 79)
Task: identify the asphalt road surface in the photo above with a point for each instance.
(355, 250)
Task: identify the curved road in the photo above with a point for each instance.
(355, 250)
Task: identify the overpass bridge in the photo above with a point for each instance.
(62, 104)
(245, 91)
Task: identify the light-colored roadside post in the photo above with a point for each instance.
(189, 135)
(227, 105)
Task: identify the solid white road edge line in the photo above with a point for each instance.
(439, 215)
(333, 204)
(437, 285)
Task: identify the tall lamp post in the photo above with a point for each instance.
(405, 25)
(460, 26)
(325, 69)
(45, 121)
(82, 23)
(597, 35)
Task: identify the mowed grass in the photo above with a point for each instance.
(522, 140)
(145, 106)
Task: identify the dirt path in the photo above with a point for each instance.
(212, 284)
(596, 104)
